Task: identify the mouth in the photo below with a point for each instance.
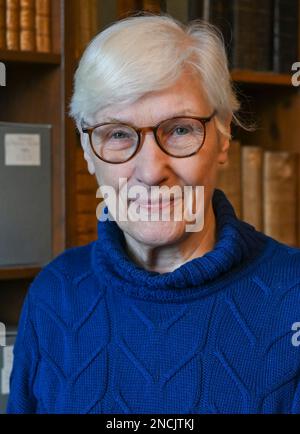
(156, 205)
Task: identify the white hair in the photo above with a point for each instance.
(148, 52)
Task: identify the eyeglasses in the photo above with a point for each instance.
(179, 137)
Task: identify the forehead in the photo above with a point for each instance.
(184, 97)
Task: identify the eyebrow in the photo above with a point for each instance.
(174, 115)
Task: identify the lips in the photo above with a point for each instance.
(155, 204)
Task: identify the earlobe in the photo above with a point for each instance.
(90, 163)
(223, 154)
(86, 154)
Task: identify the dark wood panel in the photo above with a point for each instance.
(29, 57)
(18, 272)
(12, 293)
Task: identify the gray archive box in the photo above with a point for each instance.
(25, 194)
(6, 364)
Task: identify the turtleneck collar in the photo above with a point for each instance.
(238, 245)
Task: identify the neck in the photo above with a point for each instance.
(163, 259)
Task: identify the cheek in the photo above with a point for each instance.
(200, 169)
(109, 174)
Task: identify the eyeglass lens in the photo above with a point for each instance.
(178, 137)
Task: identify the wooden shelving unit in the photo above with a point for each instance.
(37, 92)
(29, 57)
(21, 272)
(261, 78)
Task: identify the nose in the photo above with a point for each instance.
(151, 164)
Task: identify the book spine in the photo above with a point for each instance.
(206, 10)
(2, 24)
(221, 15)
(42, 25)
(252, 165)
(152, 6)
(27, 25)
(276, 32)
(88, 23)
(252, 34)
(229, 176)
(195, 9)
(12, 24)
(280, 196)
(285, 34)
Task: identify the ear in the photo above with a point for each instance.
(224, 143)
(223, 149)
(84, 139)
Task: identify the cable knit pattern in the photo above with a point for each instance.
(99, 334)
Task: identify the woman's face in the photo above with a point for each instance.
(152, 167)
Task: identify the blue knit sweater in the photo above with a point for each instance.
(99, 334)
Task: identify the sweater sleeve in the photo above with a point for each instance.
(21, 398)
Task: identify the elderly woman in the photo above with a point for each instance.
(153, 317)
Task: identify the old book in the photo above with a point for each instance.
(152, 6)
(13, 24)
(2, 24)
(126, 7)
(88, 22)
(216, 12)
(229, 176)
(252, 165)
(195, 9)
(285, 34)
(221, 16)
(43, 25)
(27, 25)
(6, 363)
(252, 34)
(280, 196)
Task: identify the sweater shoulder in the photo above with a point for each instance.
(67, 280)
(277, 277)
(283, 263)
(73, 262)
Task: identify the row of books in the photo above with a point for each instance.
(259, 34)
(25, 25)
(263, 187)
(7, 341)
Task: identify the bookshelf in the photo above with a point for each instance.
(45, 80)
(260, 78)
(37, 92)
(29, 57)
(11, 273)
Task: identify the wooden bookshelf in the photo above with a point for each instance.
(37, 92)
(29, 57)
(21, 272)
(261, 77)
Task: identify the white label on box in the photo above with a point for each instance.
(22, 150)
(6, 370)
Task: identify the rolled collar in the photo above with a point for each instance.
(238, 245)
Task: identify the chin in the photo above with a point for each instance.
(155, 233)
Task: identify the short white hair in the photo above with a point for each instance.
(148, 52)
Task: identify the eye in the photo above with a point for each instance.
(181, 130)
(120, 135)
